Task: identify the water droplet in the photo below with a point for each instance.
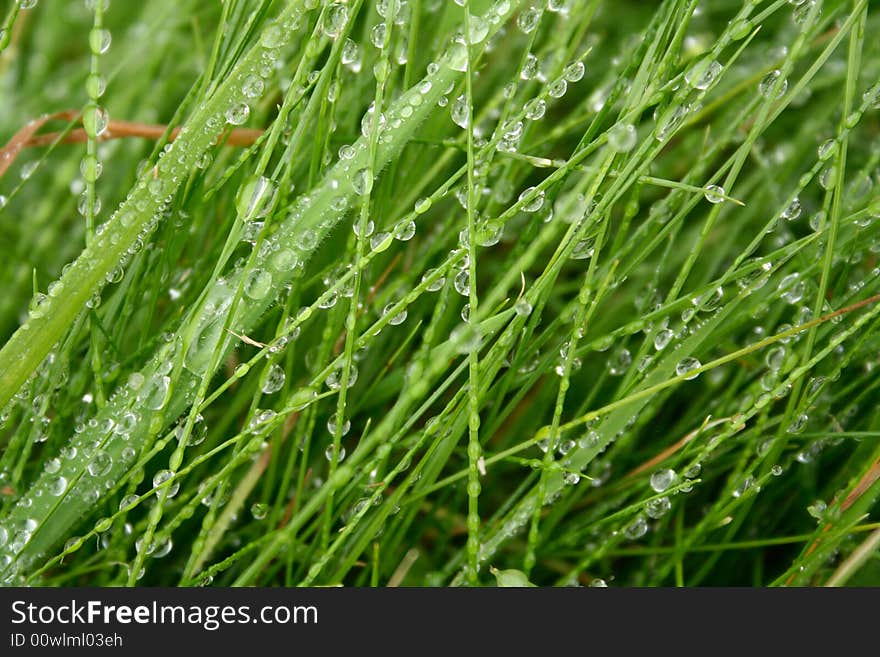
(772, 81)
(95, 120)
(255, 197)
(462, 282)
(99, 40)
(535, 109)
(153, 395)
(619, 362)
(237, 114)
(663, 338)
(522, 308)
(637, 528)
(535, 203)
(714, 193)
(817, 509)
(479, 29)
(57, 486)
(662, 480)
(775, 358)
(658, 508)
(334, 379)
(622, 137)
(687, 365)
(329, 452)
(334, 19)
(528, 19)
(381, 241)
(362, 182)
(798, 424)
(574, 72)
(459, 112)
(703, 74)
(274, 379)
(530, 68)
(259, 510)
(792, 210)
(827, 149)
(161, 477)
(100, 464)
(258, 284)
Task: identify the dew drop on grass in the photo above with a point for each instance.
(368, 228)
(462, 282)
(377, 35)
(329, 452)
(237, 114)
(798, 424)
(663, 338)
(351, 55)
(522, 308)
(397, 319)
(534, 204)
(792, 211)
(511, 578)
(479, 29)
(687, 366)
(90, 168)
(622, 137)
(57, 486)
(152, 396)
(661, 480)
(657, 508)
(380, 242)
(95, 120)
(334, 379)
(435, 285)
(637, 528)
(671, 120)
(258, 284)
(703, 74)
(535, 109)
(343, 430)
(274, 379)
(619, 362)
(255, 197)
(530, 68)
(99, 40)
(459, 112)
(574, 72)
(528, 19)
(714, 193)
(827, 149)
(817, 509)
(100, 464)
(775, 358)
(334, 19)
(771, 81)
(405, 230)
(128, 502)
(161, 477)
(259, 510)
(362, 182)
(558, 88)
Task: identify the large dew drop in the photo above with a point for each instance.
(258, 284)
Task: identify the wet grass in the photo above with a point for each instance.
(431, 293)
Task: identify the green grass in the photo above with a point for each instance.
(589, 295)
